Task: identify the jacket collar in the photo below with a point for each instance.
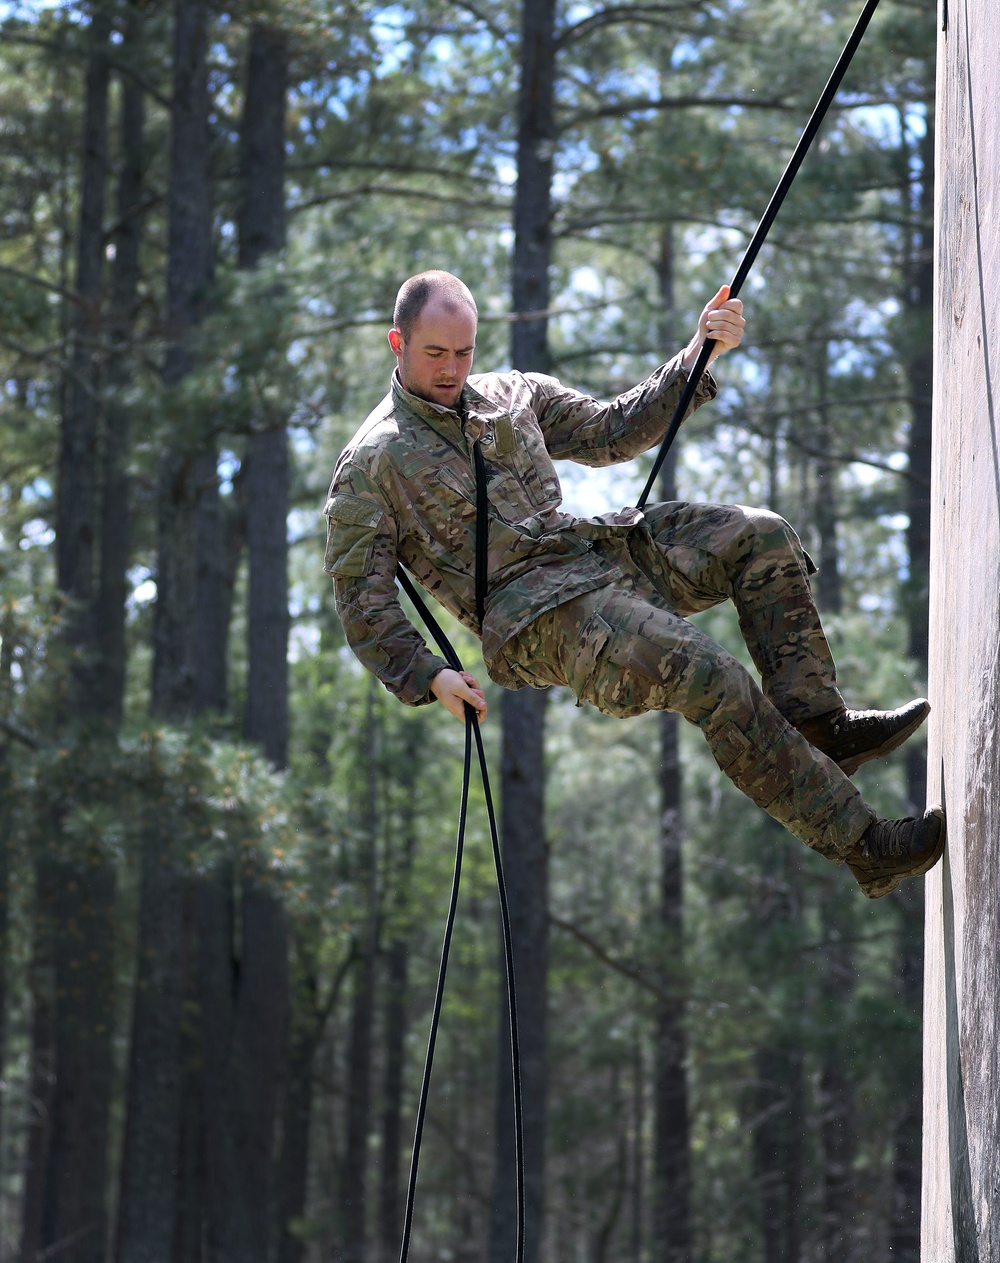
(446, 421)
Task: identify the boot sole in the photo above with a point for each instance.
(886, 885)
(851, 764)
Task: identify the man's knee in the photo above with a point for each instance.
(770, 536)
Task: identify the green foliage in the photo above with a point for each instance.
(674, 124)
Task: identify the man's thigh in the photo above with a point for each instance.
(625, 653)
(697, 554)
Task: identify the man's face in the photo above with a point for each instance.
(436, 358)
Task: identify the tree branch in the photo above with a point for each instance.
(642, 104)
(388, 190)
(21, 734)
(647, 14)
(620, 967)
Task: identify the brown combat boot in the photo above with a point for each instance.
(891, 850)
(852, 737)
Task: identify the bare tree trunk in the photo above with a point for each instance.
(190, 1192)
(74, 1220)
(671, 1195)
(81, 886)
(306, 1025)
(838, 1093)
(148, 1202)
(828, 583)
(523, 713)
(115, 523)
(77, 498)
(779, 1127)
(354, 1180)
(42, 1078)
(243, 990)
(189, 275)
(262, 233)
(154, 1167)
(396, 1002)
(526, 871)
(536, 141)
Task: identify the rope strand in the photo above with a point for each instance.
(471, 727)
(760, 235)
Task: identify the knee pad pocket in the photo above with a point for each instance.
(754, 771)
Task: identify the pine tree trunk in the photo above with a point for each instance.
(268, 472)
(74, 1218)
(148, 1202)
(189, 1209)
(838, 1096)
(115, 523)
(243, 1029)
(305, 1031)
(390, 1207)
(523, 713)
(671, 1240)
(780, 1125)
(80, 886)
(42, 1077)
(828, 583)
(671, 1194)
(189, 275)
(152, 1223)
(354, 1179)
(525, 856)
(77, 487)
(213, 521)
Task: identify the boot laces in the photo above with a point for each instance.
(889, 840)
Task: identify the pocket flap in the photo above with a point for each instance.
(352, 524)
(352, 510)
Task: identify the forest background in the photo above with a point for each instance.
(224, 851)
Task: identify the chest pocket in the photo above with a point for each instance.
(523, 480)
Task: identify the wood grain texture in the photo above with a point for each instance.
(961, 1162)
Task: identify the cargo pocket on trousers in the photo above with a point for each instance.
(594, 636)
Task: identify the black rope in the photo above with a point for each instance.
(471, 721)
(763, 228)
(482, 533)
(471, 727)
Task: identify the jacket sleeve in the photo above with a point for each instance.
(361, 558)
(579, 428)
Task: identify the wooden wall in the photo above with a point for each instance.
(961, 1162)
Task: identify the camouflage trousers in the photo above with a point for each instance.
(629, 647)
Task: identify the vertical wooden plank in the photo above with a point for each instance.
(961, 1198)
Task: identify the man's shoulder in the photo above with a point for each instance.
(513, 389)
(381, 433)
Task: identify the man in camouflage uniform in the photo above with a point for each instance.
(601, 605)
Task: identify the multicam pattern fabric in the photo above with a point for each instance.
(598, 605)
(404, 492)
(628, 647)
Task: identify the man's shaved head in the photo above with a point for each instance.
(416, 293)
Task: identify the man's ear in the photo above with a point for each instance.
(396, 341)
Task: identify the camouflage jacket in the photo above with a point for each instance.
(404, 491)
